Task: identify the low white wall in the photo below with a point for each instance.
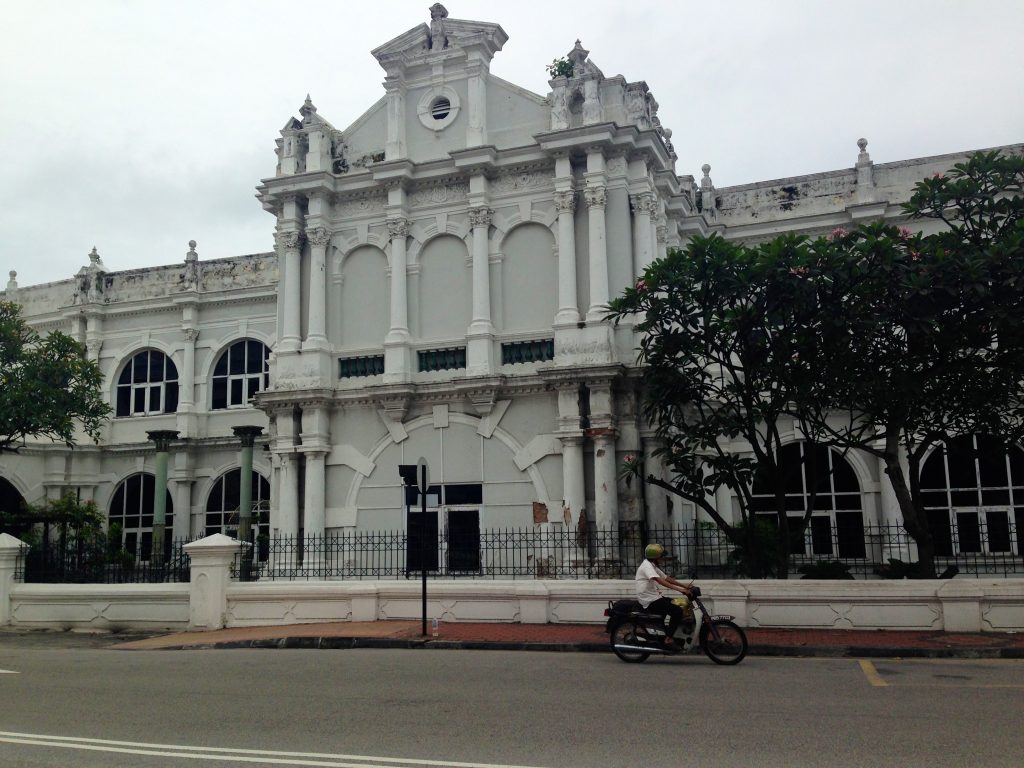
(211, 601)
(100, 606)
(968, 605)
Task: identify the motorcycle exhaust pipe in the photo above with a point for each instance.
(641, 648)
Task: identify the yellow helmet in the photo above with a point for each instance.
(654, 551)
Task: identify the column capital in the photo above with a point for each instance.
(643, 203)
(319, 236)
(398, 227)
(162, 437)
(480, 217)
(247, 434)
(290, 240)
(565, 202)
(595, 196)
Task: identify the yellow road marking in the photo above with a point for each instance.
(872, 674)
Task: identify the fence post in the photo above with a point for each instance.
(10, 548)
(210, 568)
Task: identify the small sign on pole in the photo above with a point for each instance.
(421, 476)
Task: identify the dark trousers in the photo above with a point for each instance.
(665, 607)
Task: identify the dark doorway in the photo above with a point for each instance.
(420, 552)
(463, 540)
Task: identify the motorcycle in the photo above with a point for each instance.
(635, 634)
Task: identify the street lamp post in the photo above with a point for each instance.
(162, 438)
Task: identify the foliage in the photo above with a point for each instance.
(897, 569)
(719, 323)
(878, 339)
(46, 384)
(758, 552)
(826, 569)
(560, 67)
(918, 336)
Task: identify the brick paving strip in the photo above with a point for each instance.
(585, 637)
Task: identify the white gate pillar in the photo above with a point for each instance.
(10, 548)
(211, 560)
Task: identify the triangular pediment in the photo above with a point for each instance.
(442, 35)
(416, 39)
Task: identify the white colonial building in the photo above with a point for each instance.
(438, 288)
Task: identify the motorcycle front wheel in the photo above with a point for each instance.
(625, 634)
(729, 648)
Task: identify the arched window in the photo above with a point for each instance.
(132, 510)
(973, 493)
(241, 372)
(223, 503)
(837, 523)
(148, 385)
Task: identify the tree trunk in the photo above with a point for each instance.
(914, 519)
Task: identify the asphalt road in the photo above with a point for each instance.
(82, 706)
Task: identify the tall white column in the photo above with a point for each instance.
(596, 198)
(568, 304)
(569, 432)
(183, 509)
(606, 492)
(396, 343)
(315, 488)
(316, 332)
(480, 220)
(573, 484)
(291, 333)
(288, 512)
(398, 229)
(480, 335)
(643, 207)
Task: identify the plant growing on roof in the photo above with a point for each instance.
(560, 67)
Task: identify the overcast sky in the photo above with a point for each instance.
(137, 125)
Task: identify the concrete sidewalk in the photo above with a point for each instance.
(585, 638)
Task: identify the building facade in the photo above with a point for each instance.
(438, 289)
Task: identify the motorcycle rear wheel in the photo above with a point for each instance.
(729, 648)
(625, 634)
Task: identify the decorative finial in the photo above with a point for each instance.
(12, 283)
(863, 158)
(94, 257)
(191, 255)
(307, 108)
(578, 54)
(707, 170)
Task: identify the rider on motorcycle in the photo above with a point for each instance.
(648, 577)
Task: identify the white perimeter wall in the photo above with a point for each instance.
(955, 605)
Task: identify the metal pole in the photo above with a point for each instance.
(423, 553)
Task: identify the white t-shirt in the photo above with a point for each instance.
(646, 587)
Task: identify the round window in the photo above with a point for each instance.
(440, 108)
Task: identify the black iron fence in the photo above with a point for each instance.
(557, 552)
(98, 562)
(548, 552)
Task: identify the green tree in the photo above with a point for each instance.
(47, 385)
(719, 323)
(918, 338)
(879, 340)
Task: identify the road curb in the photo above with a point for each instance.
(348, 643)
